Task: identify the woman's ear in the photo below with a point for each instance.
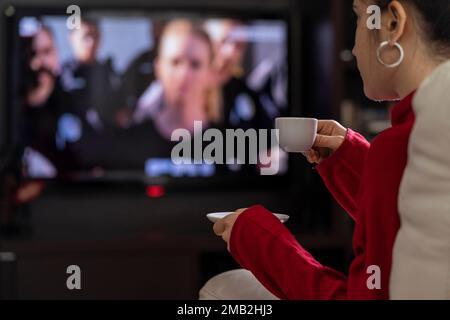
(396, 21)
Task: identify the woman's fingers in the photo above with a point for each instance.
(223, 228)
(330, 136)
(330, 142)
(312, 156)
(226, 235)
(331, 128)
(219, 227)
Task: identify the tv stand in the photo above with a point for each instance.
(128, 246)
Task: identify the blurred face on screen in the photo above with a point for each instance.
(85, 43)
(44, 62)
(45, 56)
(229, 47)
(183, 65)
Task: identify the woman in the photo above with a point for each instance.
(182, 92)
(394, 61)
(180, 96)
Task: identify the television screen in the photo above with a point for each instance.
(148, 94)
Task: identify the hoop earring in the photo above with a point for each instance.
(395, 64)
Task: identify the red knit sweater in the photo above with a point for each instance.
(365, 180)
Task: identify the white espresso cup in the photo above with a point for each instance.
(296, 135)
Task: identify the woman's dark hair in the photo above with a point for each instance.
(435, 20)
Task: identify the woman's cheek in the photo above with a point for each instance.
(357, 47)
(363, 48)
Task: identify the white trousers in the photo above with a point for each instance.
(235, 285)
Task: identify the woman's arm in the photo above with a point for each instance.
(341, 172)
(261, 244)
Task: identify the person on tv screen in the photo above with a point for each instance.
(228, 75)
(43, 62)
(94, 85)
(140, 72)
(181, 93)
(243, 106)
(45, 101)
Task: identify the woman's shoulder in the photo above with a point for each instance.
(424, 196)
(432, 97)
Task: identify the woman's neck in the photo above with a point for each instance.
(412, 75)
(174, 117)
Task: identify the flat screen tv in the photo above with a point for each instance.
(160, 95)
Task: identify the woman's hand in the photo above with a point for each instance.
(330, 136)
(223, 227)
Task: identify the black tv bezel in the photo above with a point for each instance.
(285, 10)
